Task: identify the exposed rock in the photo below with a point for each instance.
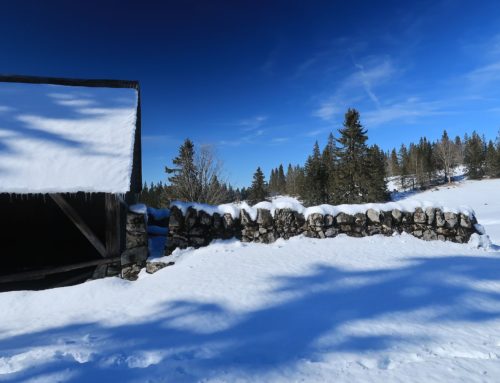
(419, 216)
(373, 215)
(153, 267)
(205, 219)
(397, 215)
(465, 222)
(431, 215)
(329, 220)
(440, 222)
(134, 255)
(131, 273)
(331, 232)
(451, 219)
(264, 217)
(360, 219)
(315, 220)
(343, 218)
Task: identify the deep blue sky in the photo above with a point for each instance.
(262, 80)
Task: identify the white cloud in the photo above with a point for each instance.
(356, 86)
(409, 111)
(4, 109)
(75, 102)
(485, 75)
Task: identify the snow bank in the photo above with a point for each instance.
(294, 204)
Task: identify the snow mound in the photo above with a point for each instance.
(293, 204)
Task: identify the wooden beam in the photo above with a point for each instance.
(113, 225)
(38, 274)
(73, 215)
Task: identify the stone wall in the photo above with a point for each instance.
(197, 228)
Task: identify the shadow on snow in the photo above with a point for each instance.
(307, 308)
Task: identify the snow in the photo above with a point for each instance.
(158, 214)
(285, 202)
(372, 309)
(56, 138)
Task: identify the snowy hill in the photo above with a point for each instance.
(379, 309)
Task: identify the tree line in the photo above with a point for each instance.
(428, 163)
(346, 170)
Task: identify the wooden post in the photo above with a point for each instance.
(113, 226)
(73, 215)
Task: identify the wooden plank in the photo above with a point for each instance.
(73, 215)
(38, 274)
(105, 83)
(113, 225)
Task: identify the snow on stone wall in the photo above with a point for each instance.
(196, 225)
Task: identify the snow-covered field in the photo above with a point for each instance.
(375, 309)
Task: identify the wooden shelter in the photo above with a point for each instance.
(70, 164)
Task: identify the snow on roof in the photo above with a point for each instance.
(293, 204)
(57, 138)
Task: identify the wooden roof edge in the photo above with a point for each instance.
(106, 83)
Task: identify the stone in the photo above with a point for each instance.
(217, 221)
(135, 255)
(136, 240)
(431, 215)
(264, 217)
(198, 231)
(153, 267)
(191, 217)
(418, 233)
(465, 221)
(441, 237)
(419, 216)
(440, 222)
(245, 218)
(205, 219)
(345, 228)
(397, 215)
(262, 230)
(360, 219)
(429, 235)
(387, 221)
(331, 232)
(199, 241)
(315, 220)
(227, 221)
(343, 218)
(176, 219)
(329, 220)
(407, 218)
(373, 215)
(321, 234)
(451, 219)
(131, 273)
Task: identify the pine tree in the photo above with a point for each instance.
(475, 156)
(353, 177)
(329, 163)
(394, 164)
(314, 178)
(184, 181)
(258, 190)
(404, 161)
(281, 180)
(491, 160)
(376, 187)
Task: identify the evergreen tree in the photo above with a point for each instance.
(353, 173)
(281, 180)
(376, 187)
(328, 160)
(258, 190)
(314, 178)
(394, 164)
(475, 156)
(184, 180)
(491, 160)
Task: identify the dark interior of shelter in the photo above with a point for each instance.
(37, 235)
